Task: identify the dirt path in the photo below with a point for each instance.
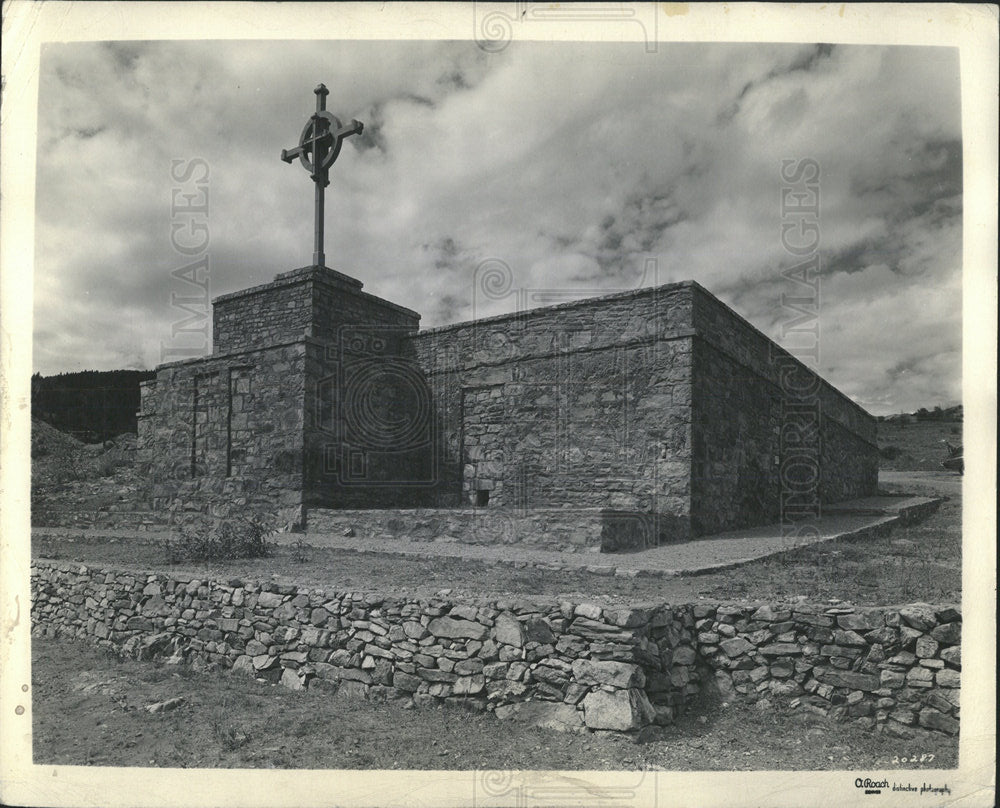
(933, 483)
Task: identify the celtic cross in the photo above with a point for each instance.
(319, 146)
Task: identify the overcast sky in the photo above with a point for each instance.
(585, 168)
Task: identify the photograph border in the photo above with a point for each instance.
(28, 26)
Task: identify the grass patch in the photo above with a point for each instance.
(238, 536)
(917, 446)
(916, 562)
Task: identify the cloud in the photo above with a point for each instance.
(579, 166)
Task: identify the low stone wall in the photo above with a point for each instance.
(566, 665)
(893, 667)
(616, 669)
(565, 529)
(47, 515)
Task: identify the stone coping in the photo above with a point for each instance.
(290, 278)
(223, 356)
(526, 602)
(541, 311)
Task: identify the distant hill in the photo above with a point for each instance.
(92, 405)
(923, 414)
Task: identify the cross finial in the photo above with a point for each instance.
(319, 147)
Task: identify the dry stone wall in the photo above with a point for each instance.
(891, 667)
(618, 668)
(564, 664)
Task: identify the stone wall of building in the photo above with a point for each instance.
(772, 440)
(657, 402)
(580, 404)
(262, 316)
(368, 423)
(280, 403)
(734, 336)
(572, 530)
(601, 667)
(735, 474)
(220, 433)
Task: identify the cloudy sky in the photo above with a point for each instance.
(585, 168)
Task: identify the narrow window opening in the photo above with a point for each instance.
(482, 498)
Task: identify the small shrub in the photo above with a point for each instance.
(299, 553)
(48, 549)
(230, 736)
(867, 577)
(242, 536)
(107, 464)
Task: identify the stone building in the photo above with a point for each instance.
(647, 416)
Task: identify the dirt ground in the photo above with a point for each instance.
(89, 709)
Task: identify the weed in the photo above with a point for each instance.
(230, 736)
(242, 536)
(106, 464)
(47, 549)
(299, 548)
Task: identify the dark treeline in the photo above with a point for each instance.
(93, 405)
